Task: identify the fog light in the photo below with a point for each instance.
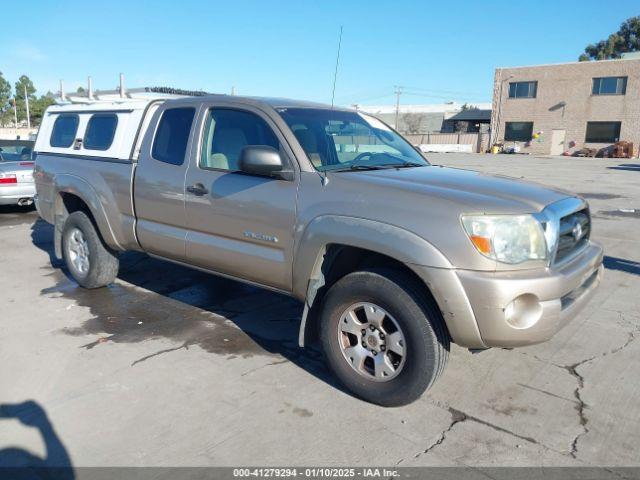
(523, 312)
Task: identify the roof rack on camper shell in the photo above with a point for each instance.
(121, 94)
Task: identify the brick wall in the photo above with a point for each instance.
(570, 83)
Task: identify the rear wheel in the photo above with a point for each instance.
(383, 337)
(91, 263)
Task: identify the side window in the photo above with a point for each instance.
(100, 131)
(64, 131)
(227, 132)
(172, 136)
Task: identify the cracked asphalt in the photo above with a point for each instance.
(172, 367)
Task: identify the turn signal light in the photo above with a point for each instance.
(482, 243)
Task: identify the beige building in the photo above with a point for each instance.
(552, 109)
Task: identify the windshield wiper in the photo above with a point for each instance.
(360, 167)
(406, 165)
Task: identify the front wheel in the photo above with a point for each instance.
(91, 263)
(383, 336)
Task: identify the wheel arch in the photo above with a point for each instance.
(333, 246)
(74, 194)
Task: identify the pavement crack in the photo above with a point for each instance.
(581, 405)
(497, 428)
(264, 366)
(185, 345)
(456, 417)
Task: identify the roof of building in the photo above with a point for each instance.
(627, 58)
(425, 108)
(472, 114)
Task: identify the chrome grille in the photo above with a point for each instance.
(573, 234)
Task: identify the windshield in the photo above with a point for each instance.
(339, 140)
(10, 152)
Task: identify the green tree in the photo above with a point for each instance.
(23, 84)
(5, 106)
(627, 39)
(37, 108)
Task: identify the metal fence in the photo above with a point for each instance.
(479, 141)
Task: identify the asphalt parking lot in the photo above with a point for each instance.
(170, 366)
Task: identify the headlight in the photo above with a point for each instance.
(507, 238)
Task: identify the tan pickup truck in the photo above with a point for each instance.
(394, 258)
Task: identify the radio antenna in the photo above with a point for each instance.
(335, 74)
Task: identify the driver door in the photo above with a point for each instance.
(239, 224)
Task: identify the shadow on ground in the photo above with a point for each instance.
(11, 215)
(632, 167)
(188, 307)
(622, 264)
(17, 463)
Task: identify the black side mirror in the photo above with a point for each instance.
(264, 161)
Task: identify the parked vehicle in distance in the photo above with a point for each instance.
(394, 258)
(16, 172)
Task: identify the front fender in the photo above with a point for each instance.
(323, 231)
(389, 240)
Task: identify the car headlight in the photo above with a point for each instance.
(507, 238)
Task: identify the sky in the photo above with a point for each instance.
(439, 51)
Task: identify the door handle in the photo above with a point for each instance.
(197, 189)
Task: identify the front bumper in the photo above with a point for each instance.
(479, 307)
(11, 194)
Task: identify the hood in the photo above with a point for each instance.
(470, 190)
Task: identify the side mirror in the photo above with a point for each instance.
(264, 161)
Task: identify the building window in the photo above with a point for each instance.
(518, 131)
(172, 136)
(523, 89)
(100, 131)
(609, 86)
(64, 131)
(603, 132)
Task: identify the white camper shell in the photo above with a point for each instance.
(108, 130)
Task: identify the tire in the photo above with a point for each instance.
(405, 305)
(80, 241)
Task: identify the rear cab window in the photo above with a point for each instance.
(64, 131)
(172, 135)
(100, 131)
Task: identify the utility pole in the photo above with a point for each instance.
(26, 101)
(398, 92)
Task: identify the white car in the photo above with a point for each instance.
(16, 172)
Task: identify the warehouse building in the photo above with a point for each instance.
(441, 117)
(563, 108)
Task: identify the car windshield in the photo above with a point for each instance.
(10, 152)
(341, 140)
